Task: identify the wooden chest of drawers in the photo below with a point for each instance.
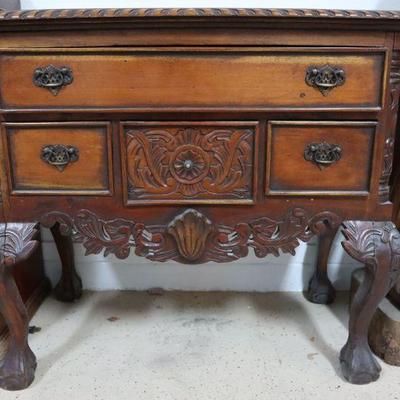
(194, 135)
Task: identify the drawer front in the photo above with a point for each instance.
(319, 158)
(189, 162)
(297, 78)
(60, 158)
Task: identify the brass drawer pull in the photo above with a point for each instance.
(53, 78)
(325, 78)
(59, 155)
(323, 154)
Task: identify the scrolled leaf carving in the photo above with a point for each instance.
(96, 234)
(191, 237)
(169, 162)
(372, 243)
(270, 237)
(17, 242)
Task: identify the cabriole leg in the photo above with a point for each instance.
(69, 288)
(377, 244)
(320, 288)
(17, 369)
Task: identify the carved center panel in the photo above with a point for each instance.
(189, 163)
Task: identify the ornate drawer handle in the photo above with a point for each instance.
(53, 78)
(323, 154)
(325, 78)
(59, 155)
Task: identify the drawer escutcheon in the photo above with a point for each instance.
(53, 78)
(323, 154)
(59, 155)
(325, 78)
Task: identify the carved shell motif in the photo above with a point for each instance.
(190, 231)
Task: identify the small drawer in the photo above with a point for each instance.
(189, 162)
(319, 158)
(60, 158)
(201, 78)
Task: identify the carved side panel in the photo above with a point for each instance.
(192, 237)
(387, 166)
(189, 163)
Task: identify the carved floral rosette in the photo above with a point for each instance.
(191, 237)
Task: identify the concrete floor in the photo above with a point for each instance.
(192, 346)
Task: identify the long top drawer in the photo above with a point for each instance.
(207, 78)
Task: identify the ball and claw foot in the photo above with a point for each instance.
(69, 290)
(17, 371)
(321, 290)
(359, 365)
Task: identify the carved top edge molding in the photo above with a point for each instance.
(194, 12)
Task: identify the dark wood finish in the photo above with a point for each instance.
(87, 171)
(31, 282)
(69, 288)
(377, 244)
(32, 304)
(192, 162)
(130, 13)
(288, 143)
(320, 288)
(384, 330)
(177, 77)
(190, 236)
(19, 364)
(223, 130)
(394, 294)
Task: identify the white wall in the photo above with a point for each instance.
(285, 273)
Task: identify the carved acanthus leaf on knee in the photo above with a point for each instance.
(16, 242)
(381, 239)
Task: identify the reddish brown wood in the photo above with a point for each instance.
(191, 237)
(377, 244)
(212, 77)
(69, 288)
(259, 90)
(350, 174)
(394, 294)
(105, 13)
(19, 364)
(90, 174)
(31, 281)
(320, 289)
(194, 162)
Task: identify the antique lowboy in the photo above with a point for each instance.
(195, 134)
